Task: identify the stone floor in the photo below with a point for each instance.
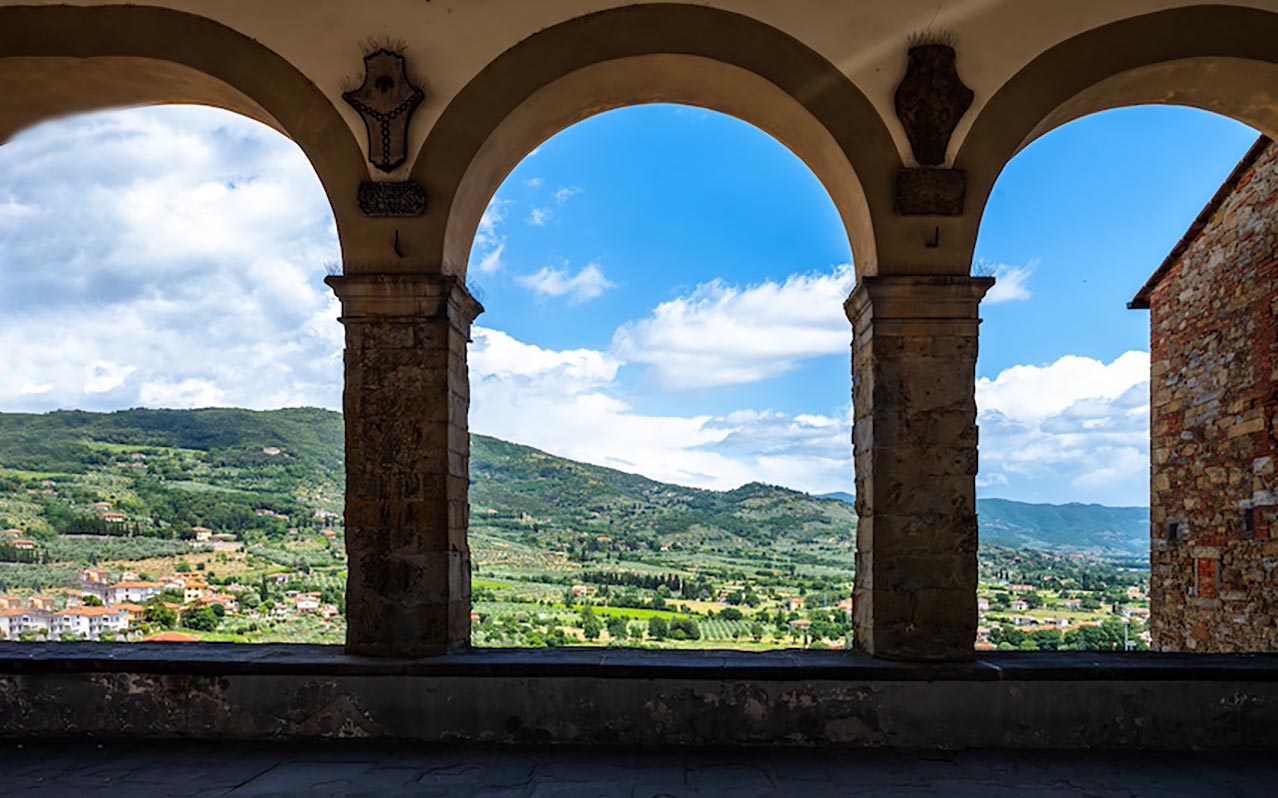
(157, 769)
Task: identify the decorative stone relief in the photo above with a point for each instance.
(386, 101)
(400, 198)
(930, 101)
(930, 192)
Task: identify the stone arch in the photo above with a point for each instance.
(1213, 57)
(645, 54)
(58, 60)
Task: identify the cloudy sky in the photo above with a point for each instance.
(663, 289)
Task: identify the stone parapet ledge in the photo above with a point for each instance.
(595, 696)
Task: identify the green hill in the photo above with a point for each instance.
(1085, 528)
(1109, 532)
(516, 490)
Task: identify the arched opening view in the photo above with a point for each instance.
(660, 394)
(166, 469)
(1078, 221)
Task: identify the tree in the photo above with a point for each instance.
(249, 600)
(731, 614)
(685, 629)
(617, 627)
(161, 616)
(91, 601)
(658, 628)
(756, 631)
(201, 618)
(590, 624)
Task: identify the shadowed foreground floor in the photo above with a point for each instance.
(157, 769)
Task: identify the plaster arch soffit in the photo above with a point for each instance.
(60, 60)
(1213, 57)
(634, 55)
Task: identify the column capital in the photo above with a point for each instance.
(405, 297)
(917, 297)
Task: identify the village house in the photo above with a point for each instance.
(306, 602)
(226, 600)
(193, 592)
(36, 622)
(1019, 605)
(10, 622)
(95, 582)
(135, 592)
(202, 533)
(136, 612)
(1073, 604)
(794, 604)
(114, 518)
(88, 623)
(24, 544)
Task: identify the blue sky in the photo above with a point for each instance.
(663, 290)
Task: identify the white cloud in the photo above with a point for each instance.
(566, 402)
(585, 285)
(164, 256)
(102, 376)
(489, 245)
(1011, 283)
(191, 392)
(534, 183)
(491, 262)
(1073, 430)
(722, 334)
(566, 193)
(495, 355)
(538, 217)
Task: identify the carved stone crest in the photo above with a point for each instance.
(930, 101)
(385, 102)
(405, 198)
(930, 192)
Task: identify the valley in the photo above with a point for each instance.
(232, 520)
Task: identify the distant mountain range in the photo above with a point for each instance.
(1120, 532)
(512, 483)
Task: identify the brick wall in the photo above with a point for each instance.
(1214, 500)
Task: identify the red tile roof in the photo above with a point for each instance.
(171, 637)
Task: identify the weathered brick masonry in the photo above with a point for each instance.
(1214, 350)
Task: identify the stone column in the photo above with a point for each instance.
(914, 442)
(407, 460)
